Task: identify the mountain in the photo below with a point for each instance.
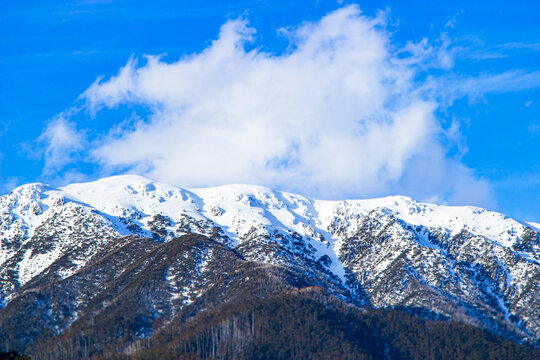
(117, 266)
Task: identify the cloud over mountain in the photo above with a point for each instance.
(340, 113)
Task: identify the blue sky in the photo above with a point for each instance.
(435, 100)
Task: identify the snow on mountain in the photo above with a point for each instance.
(238, 207)
(391, 251)
(535, 226)
(128, 204)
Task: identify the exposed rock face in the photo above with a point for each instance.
(67, 254)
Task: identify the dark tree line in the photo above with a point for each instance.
(295, 327)
(13, 355)
(302, 324)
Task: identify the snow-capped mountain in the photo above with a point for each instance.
(460, 263)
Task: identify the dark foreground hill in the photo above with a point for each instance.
(128, 307)
(306, 325)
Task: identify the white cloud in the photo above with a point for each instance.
(339, 114)
(512, 80)
(534, 128)
(61, 140)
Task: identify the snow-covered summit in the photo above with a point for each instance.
(129, 204)
(115, 196)
(238, 208)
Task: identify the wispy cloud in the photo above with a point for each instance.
(8, 184)
(535, 46)
(476, 49)
(450, 87)
(451, 23)
(59, 142)
(534, 128)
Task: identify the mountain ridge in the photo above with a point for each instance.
(465, 264)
